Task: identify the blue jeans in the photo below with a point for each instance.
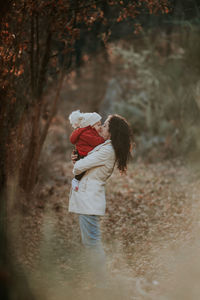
(90, 230)
(91, 239)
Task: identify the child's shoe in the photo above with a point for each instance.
(75, 184)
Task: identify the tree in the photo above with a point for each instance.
(38, 41)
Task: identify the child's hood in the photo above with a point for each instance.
(76, 134)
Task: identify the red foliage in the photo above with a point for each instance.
(28, 30)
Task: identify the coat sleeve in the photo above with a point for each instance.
(95, 159)
(92, 140)
(74, 136)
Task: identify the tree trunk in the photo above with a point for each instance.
(29, 171)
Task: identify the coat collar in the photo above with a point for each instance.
(99, 146)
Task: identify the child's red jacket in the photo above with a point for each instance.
(85, 139)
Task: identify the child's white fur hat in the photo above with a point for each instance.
(78, 119)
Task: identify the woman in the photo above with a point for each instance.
(89, 201)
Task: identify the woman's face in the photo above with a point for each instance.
(105, 129)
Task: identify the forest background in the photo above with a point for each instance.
(138, 59)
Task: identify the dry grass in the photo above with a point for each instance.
(149, 233)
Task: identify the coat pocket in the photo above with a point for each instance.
(83, 184)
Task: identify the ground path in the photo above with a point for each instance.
(150, 231)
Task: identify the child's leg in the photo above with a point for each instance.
(77, 178)
(75, 184)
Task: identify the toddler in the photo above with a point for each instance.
(85, 137)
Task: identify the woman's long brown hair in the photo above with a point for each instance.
(121, 138)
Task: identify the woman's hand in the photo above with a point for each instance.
(74, 156)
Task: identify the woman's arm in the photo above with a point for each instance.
(95, 159)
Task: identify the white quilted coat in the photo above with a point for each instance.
(90, 197)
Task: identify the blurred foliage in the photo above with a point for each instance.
(162, 102)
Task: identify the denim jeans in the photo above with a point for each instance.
(91, 239)
(90, 230)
